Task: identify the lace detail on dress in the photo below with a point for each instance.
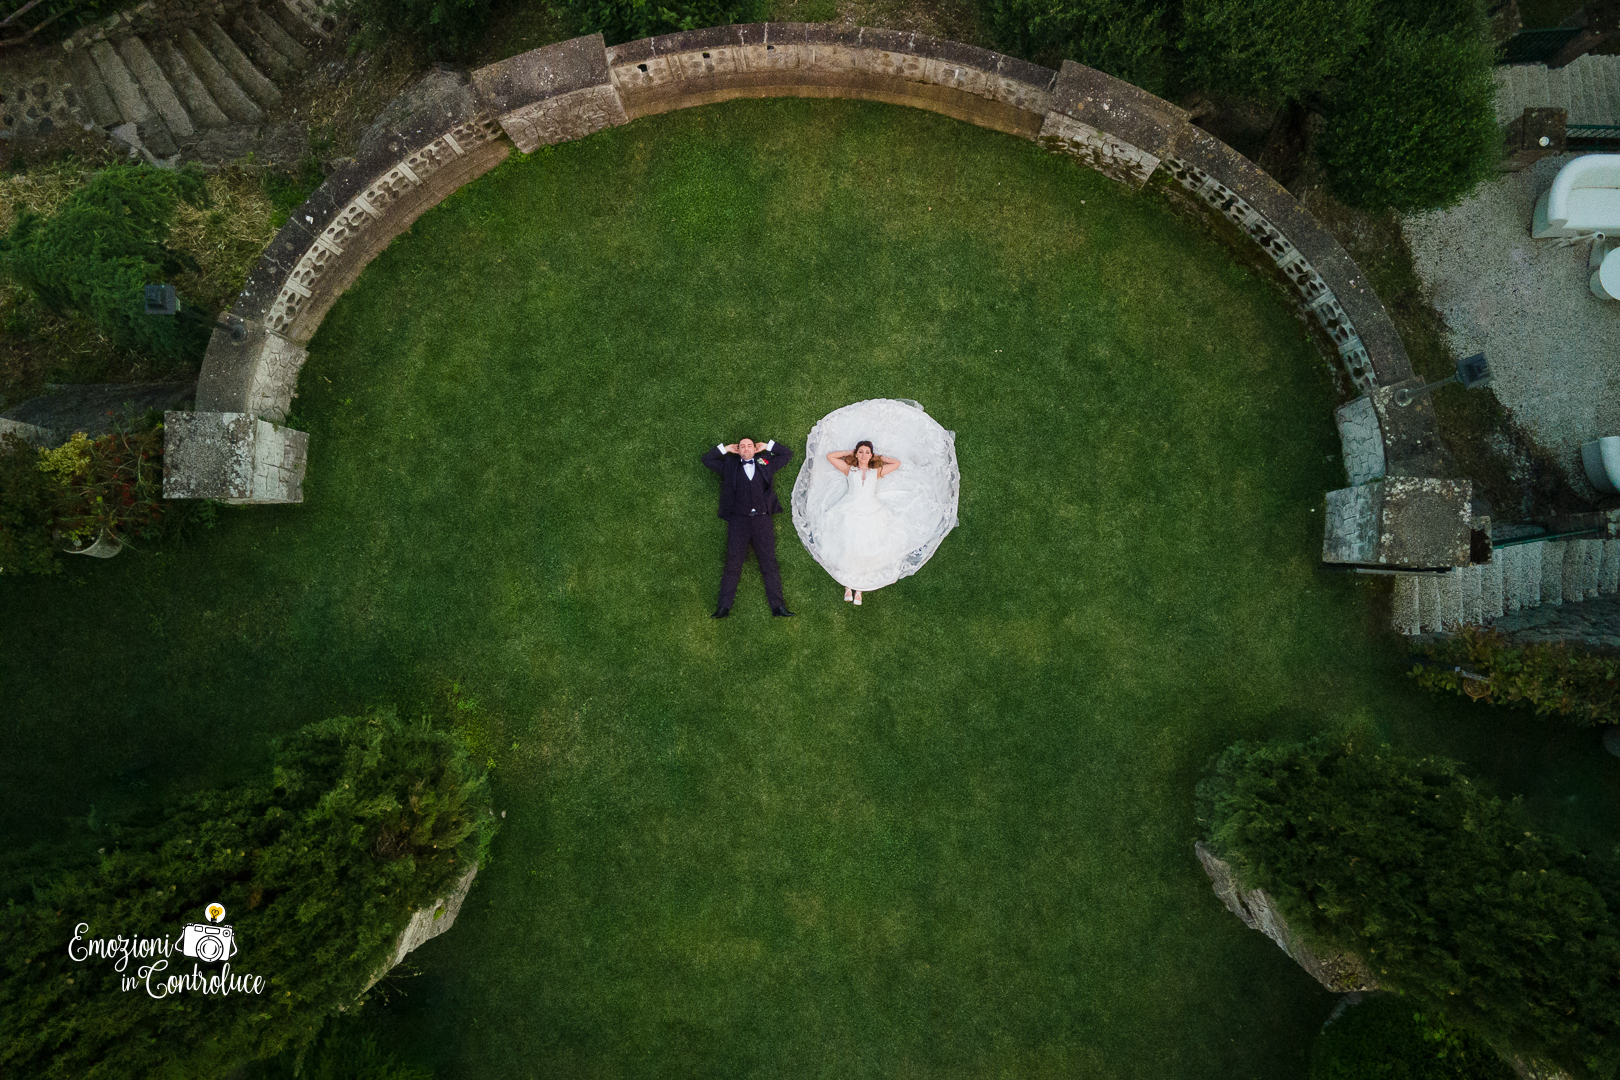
(872, 535)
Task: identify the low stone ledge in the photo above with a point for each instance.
(428, 923)
(1340, 972)
(1399, 523)
(232, 457)
(553, 94)
(758, 60)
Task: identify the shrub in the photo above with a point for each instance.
(28, 499)
(1125, 38)
(1446, 891)
(101, 246)
(1412, 125)
(449, 28)
(1385, 1038)
(1275, 50)
(1553, 679)
(362, 821)
(628, 20)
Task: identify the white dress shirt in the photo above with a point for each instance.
(748, 467)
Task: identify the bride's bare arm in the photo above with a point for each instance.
(837, 458)
(889, 465)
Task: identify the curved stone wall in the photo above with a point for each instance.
(449, 130)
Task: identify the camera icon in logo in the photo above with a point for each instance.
(206, 942)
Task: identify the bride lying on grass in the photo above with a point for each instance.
(868, 521)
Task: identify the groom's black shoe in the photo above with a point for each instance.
(782, 612)
(720, 613)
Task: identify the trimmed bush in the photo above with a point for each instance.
(1385, 1038)
(1274, 50)
(319, 866)
(1552, 679)
(1126, 38)
(28, 501)
(628, 20)
(446, 28)
(1446, 891)
(1412, 125)
(102, 246)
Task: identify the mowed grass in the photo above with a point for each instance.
(948, 834)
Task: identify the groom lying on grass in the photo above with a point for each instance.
(747, 502)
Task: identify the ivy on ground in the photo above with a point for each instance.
(1554, 679)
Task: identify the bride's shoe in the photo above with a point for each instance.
(849, 594)
(857, 599)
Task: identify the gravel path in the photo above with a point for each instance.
(1554, 348)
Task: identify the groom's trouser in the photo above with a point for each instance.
(760, 532)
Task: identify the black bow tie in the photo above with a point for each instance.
(748, 461)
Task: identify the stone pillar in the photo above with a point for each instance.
(232, 457)
(1400, 523)
(552, 95)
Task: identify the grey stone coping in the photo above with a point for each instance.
(570, 89)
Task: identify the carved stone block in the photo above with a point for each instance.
(1108, 155)
(1399, 523)
(232, 457)
(550, 95)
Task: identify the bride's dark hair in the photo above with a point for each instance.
(850, 459)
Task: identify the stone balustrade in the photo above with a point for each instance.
(449, 131)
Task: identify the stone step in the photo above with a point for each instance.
(1471, 583)
(1609, 575)
(1490, 589)
(278, 38)
(199, 103)
(98, 103)
(232, 100)
(165, 102)
(307, 15)
(1552, 571)
(265, 57)
(132, 104)
(1408, 615)
(237, 65)
(1582, 562)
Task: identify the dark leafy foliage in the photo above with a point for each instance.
(446, 28)
(1445, 890)
(102, 246)
(49, 20)
(1554, 679)
(1412, 126)
(1128, 39)
(1385, 1038)
(627, 20)
(28, 502)
(1273, 50)
(364, 820)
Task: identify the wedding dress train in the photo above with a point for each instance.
(869, 532)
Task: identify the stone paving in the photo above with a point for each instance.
(1554, 347)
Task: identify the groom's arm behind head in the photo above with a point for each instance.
(781, 454)
(714, 458)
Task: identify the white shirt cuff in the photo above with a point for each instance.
(720, 447)
(771, 445)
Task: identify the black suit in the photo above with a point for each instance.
(746, 505)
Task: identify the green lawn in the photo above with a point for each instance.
(945, 835)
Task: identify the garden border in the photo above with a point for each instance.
(574, 88)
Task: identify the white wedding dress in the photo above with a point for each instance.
(869, 532)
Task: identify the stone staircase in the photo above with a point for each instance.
(1517, 578)
(1588, 90)
(200, 91)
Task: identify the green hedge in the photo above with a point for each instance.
(1552, 679)
(1385, 1038)
(1273, 50)
(1129, 39)
(1447, 892)
(102, 247)
(628, 20)
(319, 866)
